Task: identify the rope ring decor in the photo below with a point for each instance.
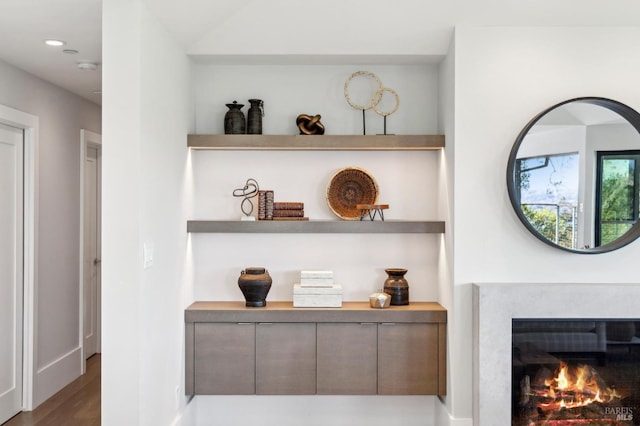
(378, 96)
(374, 100)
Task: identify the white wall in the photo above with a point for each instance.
(145, 197)
(291, 89)
(62, 115)
(504, 77)
(144, 161)
(446, 188)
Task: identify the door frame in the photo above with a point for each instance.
(30, 125)
(88, 139)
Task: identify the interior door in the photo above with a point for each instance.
(91, 268)
(11, 267)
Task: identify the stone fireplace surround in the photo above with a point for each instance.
(494, 308)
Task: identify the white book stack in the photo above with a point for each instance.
(316, 278)
(317, 290)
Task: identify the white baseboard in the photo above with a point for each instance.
(443, 418)
(54, 376)
(187, 417)
(460, 422)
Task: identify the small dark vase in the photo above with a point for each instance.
(234, 121)
(254, 117)
(255, 284)
(397, 286)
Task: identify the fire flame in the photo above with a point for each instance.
(575, 387)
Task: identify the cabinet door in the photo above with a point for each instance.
(286, 358)
(407, 359)
(347, 359)
(224, 358)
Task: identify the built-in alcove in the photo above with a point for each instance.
(406, 167)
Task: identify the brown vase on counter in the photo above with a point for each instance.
(255, 283)
(397, 286)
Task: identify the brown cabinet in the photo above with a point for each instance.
(347, 358)
(285, 359)
(224, 359)
(407, 359)
(281, 350)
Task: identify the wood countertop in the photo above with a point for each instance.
(419, 312)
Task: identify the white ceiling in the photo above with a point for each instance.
(24, 24)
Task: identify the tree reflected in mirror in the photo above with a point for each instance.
(549, 195)
(617, 198)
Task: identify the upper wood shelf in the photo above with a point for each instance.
(316, 226)
(318, 143)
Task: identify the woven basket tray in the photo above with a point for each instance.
(348, 188)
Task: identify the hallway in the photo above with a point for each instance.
(78, 404)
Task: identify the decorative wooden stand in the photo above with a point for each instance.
(372, 210)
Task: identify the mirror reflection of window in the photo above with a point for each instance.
(573, 175)
(549, 195)
(617, 197)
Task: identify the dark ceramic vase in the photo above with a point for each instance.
(254, 117)
(255, 284)
(234, 121)
(397, 286)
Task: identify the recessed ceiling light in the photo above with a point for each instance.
(53, 42)
(70, 51)
(87, 65)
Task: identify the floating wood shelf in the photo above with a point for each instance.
(281, 311)
(281, 350)
(316, 227)
(317, 143)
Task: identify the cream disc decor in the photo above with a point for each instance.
(362, 74)
(375, 99)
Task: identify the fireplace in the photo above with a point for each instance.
(575, 372)
(496, 306)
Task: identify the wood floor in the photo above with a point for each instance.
(78, 404)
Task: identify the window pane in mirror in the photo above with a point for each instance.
(618, 198)
(549, 187)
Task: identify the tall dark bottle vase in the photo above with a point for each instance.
(255, 284)
(254, 117)
(234, 121)
(397, 286)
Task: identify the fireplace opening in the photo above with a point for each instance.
(575, 372)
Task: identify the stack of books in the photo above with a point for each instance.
(265, 204)
(269, 209)
(288, 210)
(317, 290)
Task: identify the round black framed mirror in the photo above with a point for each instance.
(573, 175)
